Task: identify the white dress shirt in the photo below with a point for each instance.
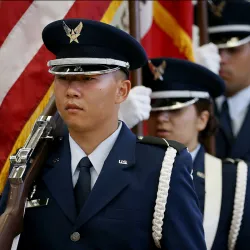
(97, 157)
(195, 152)
(238, 107)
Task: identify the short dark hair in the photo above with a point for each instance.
(122, 74)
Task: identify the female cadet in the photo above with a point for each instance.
(181, 100)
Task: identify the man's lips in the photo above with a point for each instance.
(162, 131)
(73, 107)
(223, 73)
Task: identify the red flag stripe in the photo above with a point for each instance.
(23, 98)
(37, 70)
(22, 44)
(162, 46)
(88, 9)
(10, 13)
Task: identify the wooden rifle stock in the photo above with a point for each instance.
(11, 221)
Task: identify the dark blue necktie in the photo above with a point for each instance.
(225, 121)
(83, 185)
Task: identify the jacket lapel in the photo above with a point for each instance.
(242, 145)
(58, 179)
(114, 177)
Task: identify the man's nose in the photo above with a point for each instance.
(73, 89)
(163, 116)
(224, 56)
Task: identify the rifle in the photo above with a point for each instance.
(26, 166)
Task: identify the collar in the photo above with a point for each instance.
(195, 152)
(98, 156)
(235, 103)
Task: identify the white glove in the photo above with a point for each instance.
(136, 107)
(208, 56)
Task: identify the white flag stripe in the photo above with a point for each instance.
(146, 17)
(25, 39)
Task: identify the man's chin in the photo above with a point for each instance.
(76, 125)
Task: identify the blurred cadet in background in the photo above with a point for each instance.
(229, 56)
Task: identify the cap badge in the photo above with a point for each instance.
(217, 9)
(157, 71)
(233, 42)
(74, 33)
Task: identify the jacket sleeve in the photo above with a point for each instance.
(182, 228)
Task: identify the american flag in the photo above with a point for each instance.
(25, 84)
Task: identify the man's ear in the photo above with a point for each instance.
(123, 90)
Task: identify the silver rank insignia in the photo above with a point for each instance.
(73, 34)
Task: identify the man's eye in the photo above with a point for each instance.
(64, 78)
(88, 78)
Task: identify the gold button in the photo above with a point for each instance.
(75, 236)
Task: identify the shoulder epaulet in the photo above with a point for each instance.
(233, 161)
(160, 142)
(229, 161)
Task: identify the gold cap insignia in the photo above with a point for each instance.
(217, 9)
(74, 33)
(157, 71)
(234, 41)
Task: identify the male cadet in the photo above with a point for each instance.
(229, 29)
(106, 188)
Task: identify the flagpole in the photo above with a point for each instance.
(134, 27)
(202, 21)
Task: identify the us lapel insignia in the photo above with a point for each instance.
(157, 71)
(124, 162)
(73, 34)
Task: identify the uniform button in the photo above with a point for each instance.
(75, 236)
